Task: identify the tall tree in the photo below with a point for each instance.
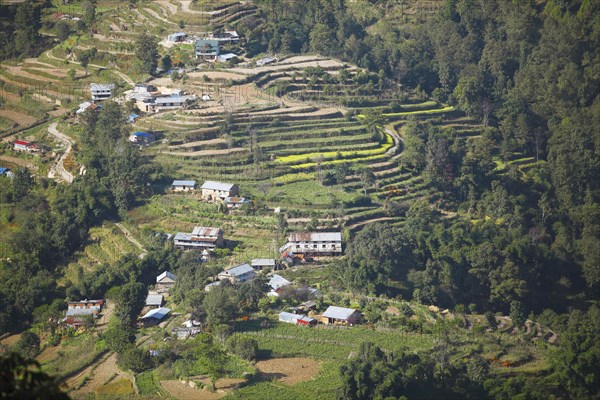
(146, 51)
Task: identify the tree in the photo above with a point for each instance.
(134, 359)
(62, 30)
(22, 183)
(146, 51)
(367, 178)
(84, 60)
(118, 337)
(166, 63)
(517, 313)
(130, 301)
(89, 13)
(243, 347)
(220, 305)
(577, 359)
(210, 357)
(28, 345)
(21, 378)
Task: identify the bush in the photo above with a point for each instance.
(135, 359)
(244, 347)
(28, 345)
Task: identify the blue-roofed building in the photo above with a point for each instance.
(239, 274)
(132, 118)
(142, 138)
(6, 172)
(341, 316)
(183, 186)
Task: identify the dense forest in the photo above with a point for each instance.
(525, 243)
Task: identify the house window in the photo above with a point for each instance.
(314, 246)
(324, 246)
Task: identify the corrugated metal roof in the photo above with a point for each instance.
(154, 300)
(338, 312)
(102, 86)
(204, 231)
(143, 134)
(157, 313)
(288, 317)
(263, 262)
(315, 237)
(184, 183)
(82, 311)
(165, 274)
(213, 185)
(278, 281)
(239, 270)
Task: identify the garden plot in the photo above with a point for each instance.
(289, 370)
(183, 390)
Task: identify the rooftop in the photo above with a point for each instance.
(102, 86)
(239, 270)
(206, 232)
(184, 183)
(154, 300)
(213, 185)
(278, 281)
(165, 274)
(315, 237)
(81, 311)
(263, 262)
(157, 313)
(338, 312)
(143, 134)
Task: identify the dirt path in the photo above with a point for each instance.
(159, 17)
(198, 143)
(119, 73)
(133, 240)
(370, 221)
(59, 167)
(104, 372)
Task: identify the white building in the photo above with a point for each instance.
(102, 91)
(201, 238)
(239, 274)
(314, 243)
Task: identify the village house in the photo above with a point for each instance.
(239, 274)
(201, 238)
(102, 91)
(313, 244)
(265, 61)
(164, 103)
(296, 319)
(155, 315)
(211, 286)
(154, 300)
(277, 282)
(207, 49)
(165, 281)
(304, 308)
(142, 138)
(260, 263)
(225, 37)
(226, 57)
(183, 186)
(88, 105)
(21, 145)
(212, 191)
(80, 312)
(235, 202)
(340, 316)
(177, 37)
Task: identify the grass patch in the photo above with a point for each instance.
(120, 387)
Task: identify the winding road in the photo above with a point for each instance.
(59, 168)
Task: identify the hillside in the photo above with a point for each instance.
(452, 146)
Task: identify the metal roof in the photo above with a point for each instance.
(154, 300)
(239, 270)
(263, 262)
(315, 237)
(287, 316)
(143, 134)
(165, 274)
(184, 183)
(157, 313)
(102, 86)
(203, 231)
(3, 170)
(338, 312)
(82, 311)
(213, 185)
(278, 281)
